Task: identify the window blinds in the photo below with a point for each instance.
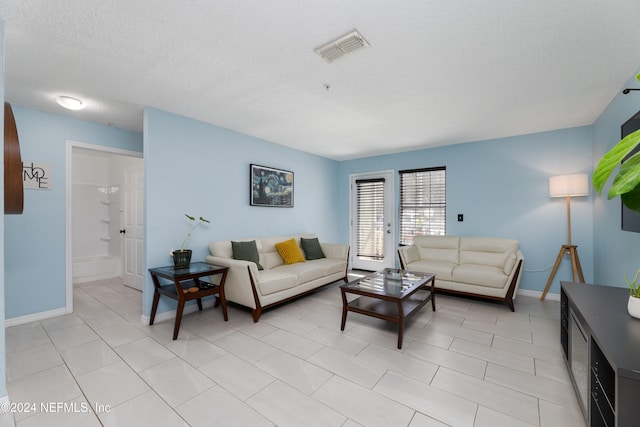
(370, 218)
(423, 203)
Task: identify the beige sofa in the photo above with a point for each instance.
(487, 267)
(278, 282)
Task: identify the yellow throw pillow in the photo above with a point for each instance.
(289, 251)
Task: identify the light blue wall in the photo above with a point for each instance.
(35, 275)
(502, 188)
(3, 373)
(203, 170)
(500, 185)
(617, 252)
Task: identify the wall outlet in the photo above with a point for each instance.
(460, 217)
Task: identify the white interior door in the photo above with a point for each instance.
(132, 227)
(372, 221)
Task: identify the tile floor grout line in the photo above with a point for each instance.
(113, 348)
(539, 318)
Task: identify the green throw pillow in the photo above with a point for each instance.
(311, 248)
(247, 251)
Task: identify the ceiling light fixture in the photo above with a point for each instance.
(70, 103)
(341, 46)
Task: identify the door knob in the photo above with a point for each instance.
(123, 231)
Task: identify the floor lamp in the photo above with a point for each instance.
(567, 186)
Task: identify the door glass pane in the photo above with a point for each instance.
(370, 217)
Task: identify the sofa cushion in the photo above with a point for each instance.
(312, 249)
(487, 251)
(268, 253)
(271, 260)
(330, 265)
(442, 269)
(305, 272)
(438, 248)
(482, 275)
(289, 251)
(247, 251)
(275, 280)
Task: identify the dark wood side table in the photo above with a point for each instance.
(190, 280)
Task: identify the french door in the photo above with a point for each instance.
(373, 226)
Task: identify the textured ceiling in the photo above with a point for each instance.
(437, 72)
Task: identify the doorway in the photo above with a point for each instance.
(373, 225)
(99, 205)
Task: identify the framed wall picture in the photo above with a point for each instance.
(271, 187)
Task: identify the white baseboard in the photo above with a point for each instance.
(96, 276)
(167, 315)
(15, 321)
(538, 294)
(171, 314)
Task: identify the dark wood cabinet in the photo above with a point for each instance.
(601, 345)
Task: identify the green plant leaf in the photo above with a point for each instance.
(632, 199)
(612, 159)
(628, 177)
(192, 227)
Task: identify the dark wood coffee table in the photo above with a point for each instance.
(389, 294)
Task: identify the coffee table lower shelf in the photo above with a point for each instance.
(389, 308)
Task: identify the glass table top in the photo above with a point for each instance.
(390, 281)
(194, 268)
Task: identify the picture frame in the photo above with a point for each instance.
(270, 187)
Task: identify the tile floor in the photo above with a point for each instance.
(468, 364)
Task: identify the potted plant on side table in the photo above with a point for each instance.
(182, 256)
(626, 184)
(633, 307)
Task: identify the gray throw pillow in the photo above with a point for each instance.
(247, 251)
(311, 248)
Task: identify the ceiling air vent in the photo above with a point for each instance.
(341, 46)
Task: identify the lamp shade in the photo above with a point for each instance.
(569, 185)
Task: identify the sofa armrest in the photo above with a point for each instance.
(519, 257)
(407, 255)
(238, 286)
(516, 274)
(335, 250)
(234, 264)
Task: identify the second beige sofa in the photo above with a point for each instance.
(488, 267)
